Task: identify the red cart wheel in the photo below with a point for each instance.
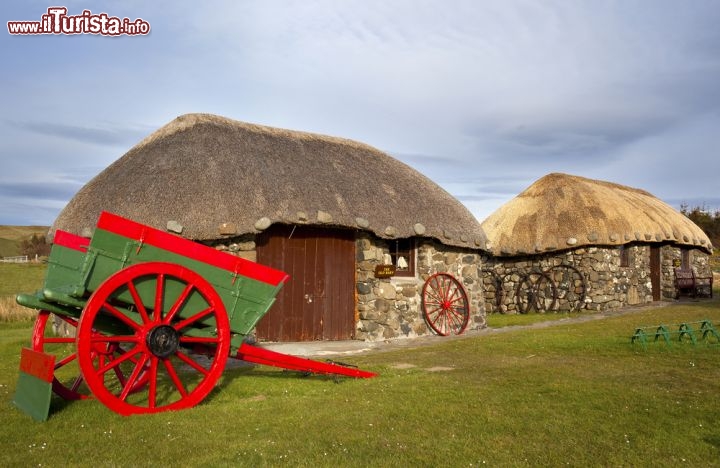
(445, 304)
(155, 311)
(68, 382)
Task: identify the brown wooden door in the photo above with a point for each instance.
(655, 272)
(318, 302)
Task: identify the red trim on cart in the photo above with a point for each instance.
(190, 249)
(71, 241)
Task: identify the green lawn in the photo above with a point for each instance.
(21, 277)
(575, 394)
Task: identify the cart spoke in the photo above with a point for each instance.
(116, 362)
(174, 377)
(59, 340)
(120, 375)
(76, 383)
(192, 363)
(178, 303)
(442, 325)
(436, 291)
(454, 294)
(138, 302)
(65, 361)
(199, 339)
(132, 380)
(152, 391)
(441, 286)
(68, 320)
(157, 313)
(456, 319)
(200, 315)
(440, 314)
(122, 317)
(115, 339)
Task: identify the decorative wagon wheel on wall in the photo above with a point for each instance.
(68, 382)
(445, 304)
(535, 290)
(496, 283)
(157, 312)
(571, 286)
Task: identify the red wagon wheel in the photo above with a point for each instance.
(66, 379)
(68, 382)
(445, 304)
(155, 311)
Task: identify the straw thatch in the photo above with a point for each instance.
(561, 211)
(212, 175)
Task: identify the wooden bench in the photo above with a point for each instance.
(688, 283)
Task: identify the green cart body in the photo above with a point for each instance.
(152, 309)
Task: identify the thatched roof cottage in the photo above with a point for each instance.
(623, 240)
(326, 210)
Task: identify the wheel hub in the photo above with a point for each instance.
(163, 341)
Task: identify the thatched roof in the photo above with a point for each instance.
(561, 211)
(210, 174)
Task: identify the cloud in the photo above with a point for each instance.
(110, 135)
(481, 97)
(55, 188)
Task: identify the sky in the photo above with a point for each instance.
(484, 97)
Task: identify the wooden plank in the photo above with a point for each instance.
(37, 364)
(318, 304)
(34, 388)
(655, 272)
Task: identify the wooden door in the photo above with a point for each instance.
(655, 272)
(318, 302)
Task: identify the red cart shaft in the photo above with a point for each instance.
(266, 357)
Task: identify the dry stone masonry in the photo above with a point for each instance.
(392, 307)
(596, 276)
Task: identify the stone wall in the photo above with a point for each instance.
(392, 307)
(589, 278)
(241, 246)
(671, 258)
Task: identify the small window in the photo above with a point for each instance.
(624, 256)
(685, 259)
(402, 253)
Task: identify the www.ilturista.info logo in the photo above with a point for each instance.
(57, 21)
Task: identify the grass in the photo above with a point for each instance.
(21, 277)
(570, 394)
(9, 248)
(508, 320)
(16, 278)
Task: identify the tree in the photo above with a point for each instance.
(706, 220)
(35, 245)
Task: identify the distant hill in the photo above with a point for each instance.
(11, 236)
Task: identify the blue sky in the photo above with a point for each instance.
(482, 96)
